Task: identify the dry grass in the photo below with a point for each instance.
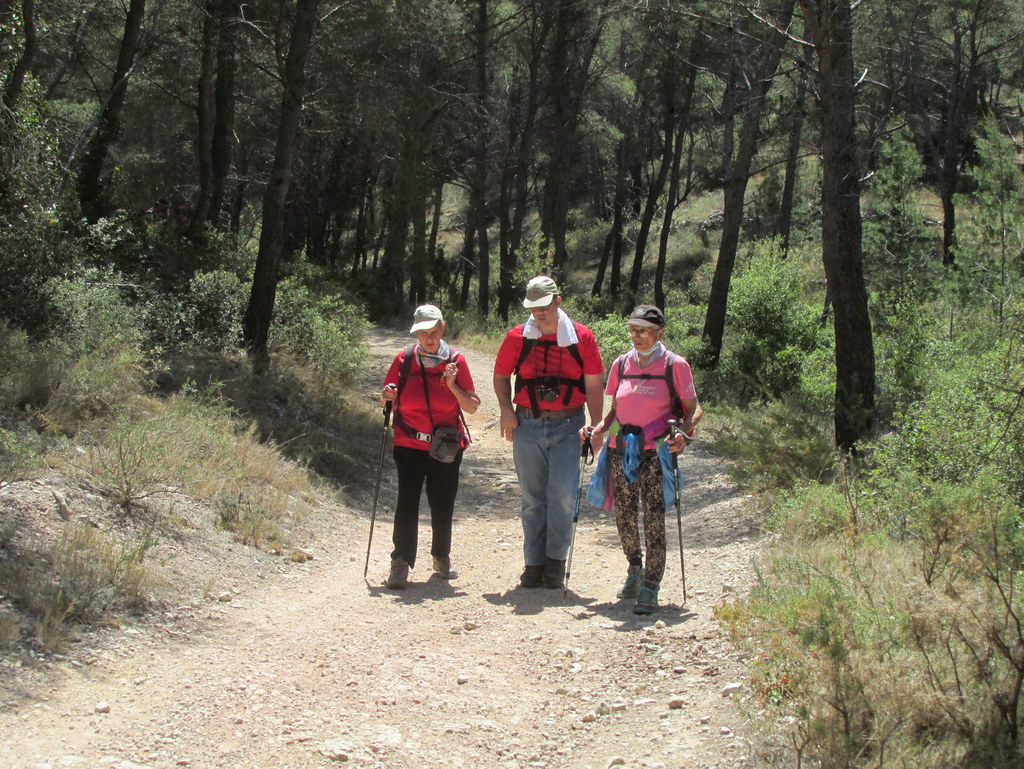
(80, 578)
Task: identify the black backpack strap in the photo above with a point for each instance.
(677, 403)
(670, 380)
(530, 384)
(403, 375)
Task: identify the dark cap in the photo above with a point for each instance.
(647, 315)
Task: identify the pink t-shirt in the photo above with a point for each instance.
(647, 403)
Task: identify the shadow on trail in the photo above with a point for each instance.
(418, 592)
(621, 613)
(526, 601)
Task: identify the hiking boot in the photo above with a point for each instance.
(443, 568)
(554, 574)
(399, 576)
(647, 598)
(532, 576)
(631, 586)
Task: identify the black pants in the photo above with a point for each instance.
(414, 467)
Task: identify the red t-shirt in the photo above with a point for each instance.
(550, 360)
(412, 415)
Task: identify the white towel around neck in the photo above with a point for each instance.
(566, 331)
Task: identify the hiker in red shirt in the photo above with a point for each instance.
(430, 386)
(558, 372)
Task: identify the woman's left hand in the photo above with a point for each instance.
(451, 371)
(676, 443)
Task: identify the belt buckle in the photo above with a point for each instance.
(424, 437)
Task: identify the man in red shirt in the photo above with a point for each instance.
(558, 372)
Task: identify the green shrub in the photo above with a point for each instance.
(93, 386)
(17, 459)
(771, 329)
(326, 331)
(251, 522)
(776, 444)
(215, 303)
(907, 346)
(967, 421)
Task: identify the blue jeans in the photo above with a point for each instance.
(547, 457)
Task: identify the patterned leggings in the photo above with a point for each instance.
(645, 489)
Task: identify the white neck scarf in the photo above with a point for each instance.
(657, 351)
(566, 331)
(431, 359)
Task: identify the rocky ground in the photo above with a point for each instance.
(258, 662)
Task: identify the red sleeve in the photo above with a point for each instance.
(465, 378)
(508, 353)
(396, 366)
(592, 363)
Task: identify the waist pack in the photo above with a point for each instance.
(445, 444)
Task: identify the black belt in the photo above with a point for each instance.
(549, 414)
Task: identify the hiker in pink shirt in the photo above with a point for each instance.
(649, 386)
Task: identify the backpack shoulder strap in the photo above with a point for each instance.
(403, 371)
(528, 344)
(677, 402)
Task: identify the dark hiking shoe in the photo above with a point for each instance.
(647, 599)
(631, 586)
(399, 576)
(532, 576)
(554, 574)
(443, 569)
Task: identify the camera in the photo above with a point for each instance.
(547, 391)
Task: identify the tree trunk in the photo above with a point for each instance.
(260, 310)
(830, 27)
(737, 173)
(12, 93)
(784, 222)
(478, 206)
(666, 222)
(672, 199)
(90, 192)
(653, 194)
(205, 111)
(16, 76)
(223, 146)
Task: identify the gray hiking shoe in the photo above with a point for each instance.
(443, 569)
(631, 586)
(647, 598)
(398, 578)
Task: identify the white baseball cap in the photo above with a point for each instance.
(426, 317)
(540, 292)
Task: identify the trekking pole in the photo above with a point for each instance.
(586, 458)
(672, 432)
(376, 492)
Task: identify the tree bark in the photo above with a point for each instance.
(90, 192)
(830, 28)
(205, 111)
(16, 77)
(260, 309)
(737, 172)
(784, 222)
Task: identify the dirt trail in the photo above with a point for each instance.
(309, 666)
